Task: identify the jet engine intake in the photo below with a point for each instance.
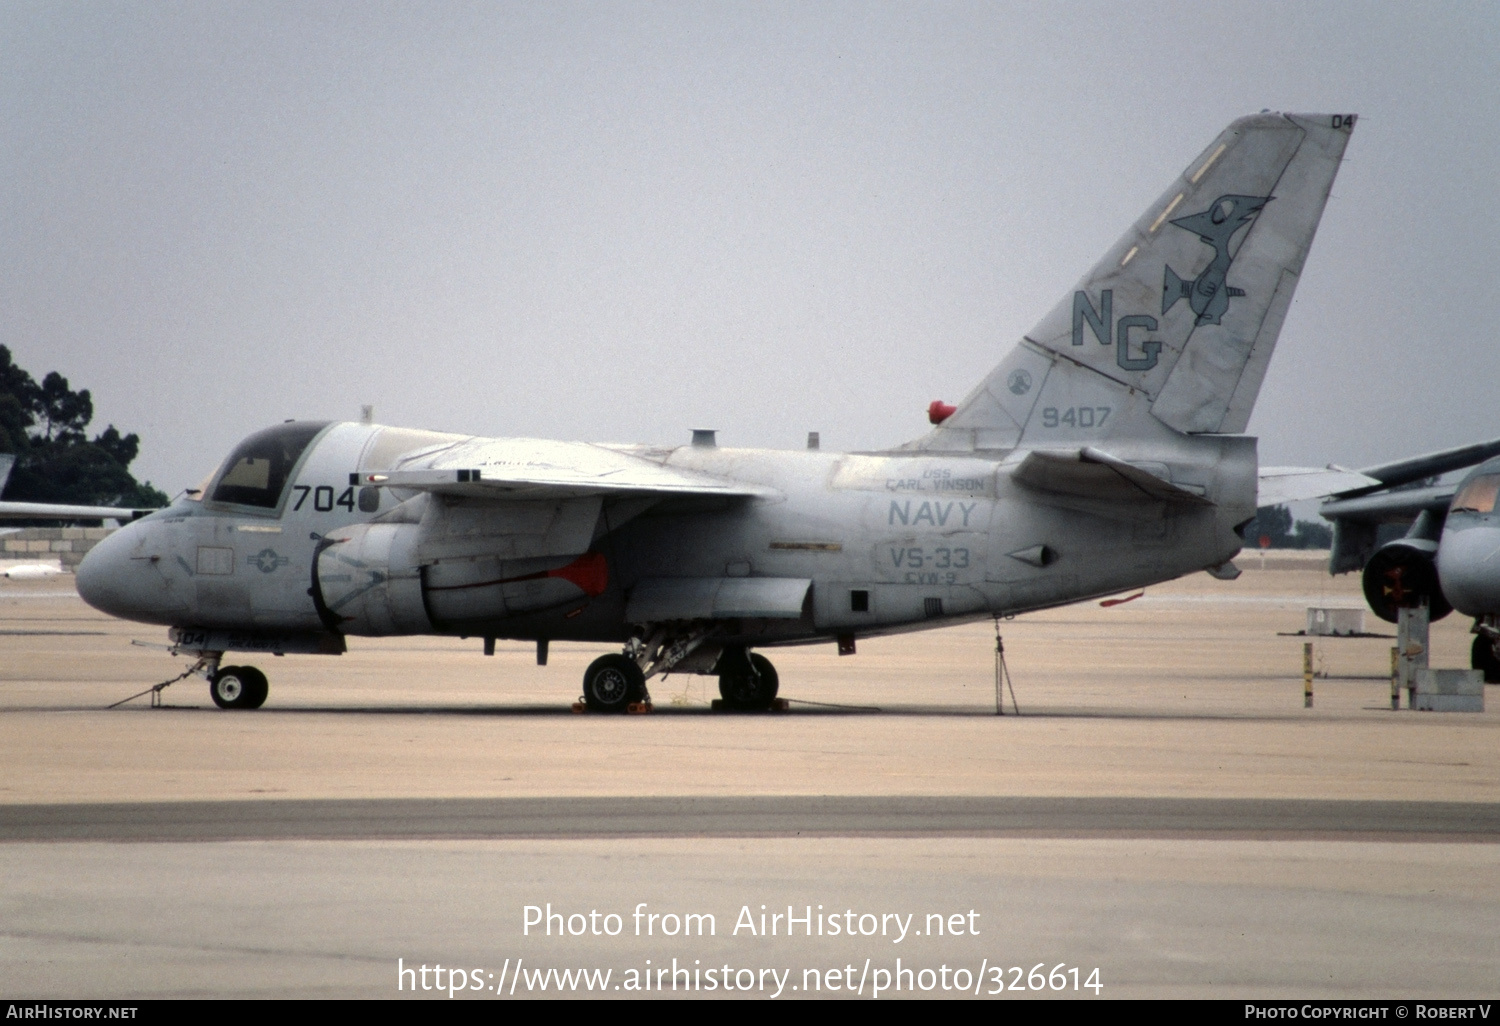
(366, 581)
(1403, 574)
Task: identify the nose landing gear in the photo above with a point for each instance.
(238, 687)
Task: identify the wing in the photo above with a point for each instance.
(52, 510)
(1279, 485)
(530, 468)
(56, 511)
(1391, 507)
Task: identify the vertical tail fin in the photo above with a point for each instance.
(1184, 310)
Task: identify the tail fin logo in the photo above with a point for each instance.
(1208, 294)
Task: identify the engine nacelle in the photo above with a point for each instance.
(367, 581)
(1403, 574)
(372, 581)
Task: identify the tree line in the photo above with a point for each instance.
(44, 425)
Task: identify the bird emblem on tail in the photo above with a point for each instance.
(1208, 294)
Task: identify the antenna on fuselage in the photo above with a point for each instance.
(367, 414)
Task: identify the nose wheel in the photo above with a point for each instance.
(238, 687)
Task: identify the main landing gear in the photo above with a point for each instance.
(613, 683)
(238, 687)
(747, 680)
(1482, 657)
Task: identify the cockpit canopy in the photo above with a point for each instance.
(1477, 496)
(258, 470)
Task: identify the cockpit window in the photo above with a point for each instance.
(256, 473)
(1478, 496)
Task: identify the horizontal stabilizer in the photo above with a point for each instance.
(1088, 473)
(1279, 485)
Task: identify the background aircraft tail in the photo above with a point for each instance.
(1175, 326)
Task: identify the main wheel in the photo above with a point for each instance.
(239, 687)
(1482, 657)
(749, 687)
(611, 683)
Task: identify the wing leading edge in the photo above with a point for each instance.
(527, 468)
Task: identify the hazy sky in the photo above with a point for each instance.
(618, 222)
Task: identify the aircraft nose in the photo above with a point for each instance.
(113, 582)
(1466, 569)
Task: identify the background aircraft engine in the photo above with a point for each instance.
(369, 581)
(1403, 573)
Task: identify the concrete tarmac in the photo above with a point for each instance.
(1164, 810)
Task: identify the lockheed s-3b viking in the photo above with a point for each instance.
(1105, 452)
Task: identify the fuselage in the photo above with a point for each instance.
(1468, 554)
(889, 542)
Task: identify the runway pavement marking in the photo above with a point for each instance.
(408, 818)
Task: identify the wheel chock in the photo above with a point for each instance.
(579, 707)
(639, 708)
(777, 705)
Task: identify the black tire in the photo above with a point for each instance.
(256, 688)
(750, 691)
(1482, 657)
(611, 683)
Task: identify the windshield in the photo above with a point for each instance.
(1478, 496)
(256, 473)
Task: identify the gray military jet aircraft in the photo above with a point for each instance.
(1105, 452)
(1447, 557)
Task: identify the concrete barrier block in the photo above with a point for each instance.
(1450, 703)
(1449, 690)
(1326, 621)
(1449, 682)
